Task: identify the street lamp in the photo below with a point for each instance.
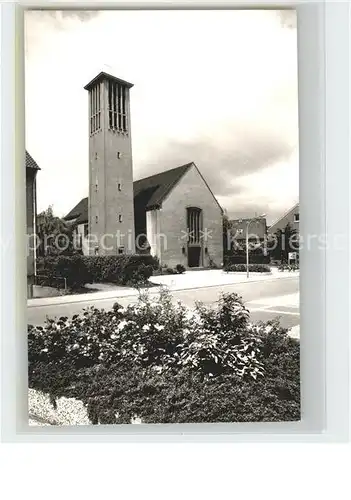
(247, 240)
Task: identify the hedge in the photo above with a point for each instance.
(78, 270)
(54, 271)
(255, 258)
(121, 269)
(239, 268)
(163, 363)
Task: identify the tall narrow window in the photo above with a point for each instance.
(194, 229)
(95, 109)
(194, 225)
(123, 110)
(110, 116)
(114, 100)
(117, 95)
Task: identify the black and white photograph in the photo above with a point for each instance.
(162, 201)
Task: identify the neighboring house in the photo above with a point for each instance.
(291, 217)
(173, 214)
(79, 216)
(31, 209)
(257, 228)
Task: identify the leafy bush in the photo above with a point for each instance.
(180, 268)
(133, 270)
(164, 363)
(239, 268)
(55, 270)
(239, 257)
(287, 267)
(121, 269)
(169, 270)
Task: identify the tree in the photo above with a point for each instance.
(55, 235)
(284, 241)
(226, 233)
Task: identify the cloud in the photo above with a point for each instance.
(246, 151)
(61, 15)
(42, 25)
(227, 102)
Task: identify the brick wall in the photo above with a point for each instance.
(191, 191)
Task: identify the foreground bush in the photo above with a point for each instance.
(240, 268)
(163, 363)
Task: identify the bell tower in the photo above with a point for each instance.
(111, 210)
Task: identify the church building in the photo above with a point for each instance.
(173, 214)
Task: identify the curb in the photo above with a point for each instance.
(31, 302)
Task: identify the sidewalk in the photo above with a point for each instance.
(175, 282)
(215, 277)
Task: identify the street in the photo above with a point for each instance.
(265, 300)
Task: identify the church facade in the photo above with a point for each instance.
(173, 214)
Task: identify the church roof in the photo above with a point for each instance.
(106, 76)
(30, 163)
(149, 193)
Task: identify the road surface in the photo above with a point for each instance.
(265, 300)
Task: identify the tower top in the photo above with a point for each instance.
(105, 76)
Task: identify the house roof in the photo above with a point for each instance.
(79, 212)
(149, 192)
(105, 76)
(283, 216)
(30, 163)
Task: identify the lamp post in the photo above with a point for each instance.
(247, 240)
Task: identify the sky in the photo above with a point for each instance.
(218, 88)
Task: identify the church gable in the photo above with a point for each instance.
(150, 192)
(191, 223)
(192, 189)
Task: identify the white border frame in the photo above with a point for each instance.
(323, 49)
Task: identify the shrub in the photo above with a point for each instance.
(55, 270)
(133, 270)
(239, 268)
(164, 363)
(287, 267)
(169, 270)
(180, 268)
(240, 258)
(121, 269)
